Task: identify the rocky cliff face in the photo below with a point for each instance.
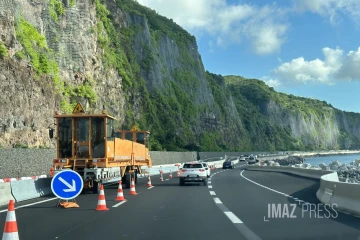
(145, 70)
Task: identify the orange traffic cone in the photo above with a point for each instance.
(132, 187)
(149, 182)
(120, 195)
(170, 176)
(11, 229)
(101, 200)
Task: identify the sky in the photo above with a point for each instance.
(308, 48)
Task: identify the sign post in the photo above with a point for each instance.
(67, 184)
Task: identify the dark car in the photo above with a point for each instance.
(251, 160)
(228, 164)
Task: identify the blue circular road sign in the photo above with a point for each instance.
(67, 184)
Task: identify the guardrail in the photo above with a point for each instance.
(344, 197)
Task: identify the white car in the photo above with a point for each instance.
(193, 172)
(207, 168)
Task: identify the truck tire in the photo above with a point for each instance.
(96, 187)
(127, 179)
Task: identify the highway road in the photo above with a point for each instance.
(234, 205)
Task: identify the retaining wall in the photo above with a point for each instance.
(24, 162)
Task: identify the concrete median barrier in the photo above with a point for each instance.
(29, 189)
(5, 193)
(344, 197)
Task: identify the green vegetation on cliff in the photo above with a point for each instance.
(3, 50)
(167, 91)
(241, 119)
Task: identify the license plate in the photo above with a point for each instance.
(192, 175)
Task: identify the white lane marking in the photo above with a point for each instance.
(273, 190)
(118, 204)
(212, 193)
(209, 182)
(150, 187)
(31, 204)
(217, 200)
(209, 179)
(166, 179)
(241, 174)
(233, 217)
(209, 186)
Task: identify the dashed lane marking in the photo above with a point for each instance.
(118, 204)
(239, 225)
(233, 217)
(166, 179)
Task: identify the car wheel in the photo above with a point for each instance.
(182, 183)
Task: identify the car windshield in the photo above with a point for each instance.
(197, 165)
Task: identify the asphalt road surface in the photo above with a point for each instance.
(233, 206)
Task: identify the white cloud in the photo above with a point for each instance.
(330, 8)
(271, 82)
(334, 67)
(263, 26)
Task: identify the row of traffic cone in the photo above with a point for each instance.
(119, 197)
(11, 229)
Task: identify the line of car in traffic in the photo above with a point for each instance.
(199, 171)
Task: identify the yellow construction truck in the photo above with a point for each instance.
(88, 144)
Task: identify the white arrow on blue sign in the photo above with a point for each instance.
(67, 184)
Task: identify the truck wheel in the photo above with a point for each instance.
(128, 180)
(96, 187)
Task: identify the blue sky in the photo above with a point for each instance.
(308, 48)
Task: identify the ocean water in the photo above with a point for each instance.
(315, 161)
